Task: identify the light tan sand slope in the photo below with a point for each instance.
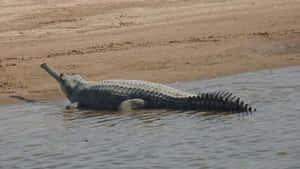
(158, 40)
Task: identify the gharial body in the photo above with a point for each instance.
(133, 94)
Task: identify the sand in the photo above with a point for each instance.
(159, 40)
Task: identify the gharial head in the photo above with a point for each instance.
(67, 82)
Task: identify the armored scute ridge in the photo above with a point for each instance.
(134, 94)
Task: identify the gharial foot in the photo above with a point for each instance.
(131, 104)
(71, 106)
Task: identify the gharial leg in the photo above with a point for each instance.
(132, 104)
(75, 105)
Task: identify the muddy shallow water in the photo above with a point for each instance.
(45, 135)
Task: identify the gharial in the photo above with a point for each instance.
(134, 94)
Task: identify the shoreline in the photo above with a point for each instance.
(59, 96)
(161, 41)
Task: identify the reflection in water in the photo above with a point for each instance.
(45, 135)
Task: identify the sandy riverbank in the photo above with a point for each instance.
(160, 40)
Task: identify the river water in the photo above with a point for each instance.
(45, 135)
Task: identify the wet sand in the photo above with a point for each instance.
(160, 40)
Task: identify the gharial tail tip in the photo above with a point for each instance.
(224, 101)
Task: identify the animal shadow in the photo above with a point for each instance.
(27, 100)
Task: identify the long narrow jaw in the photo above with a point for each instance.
(51, 71)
